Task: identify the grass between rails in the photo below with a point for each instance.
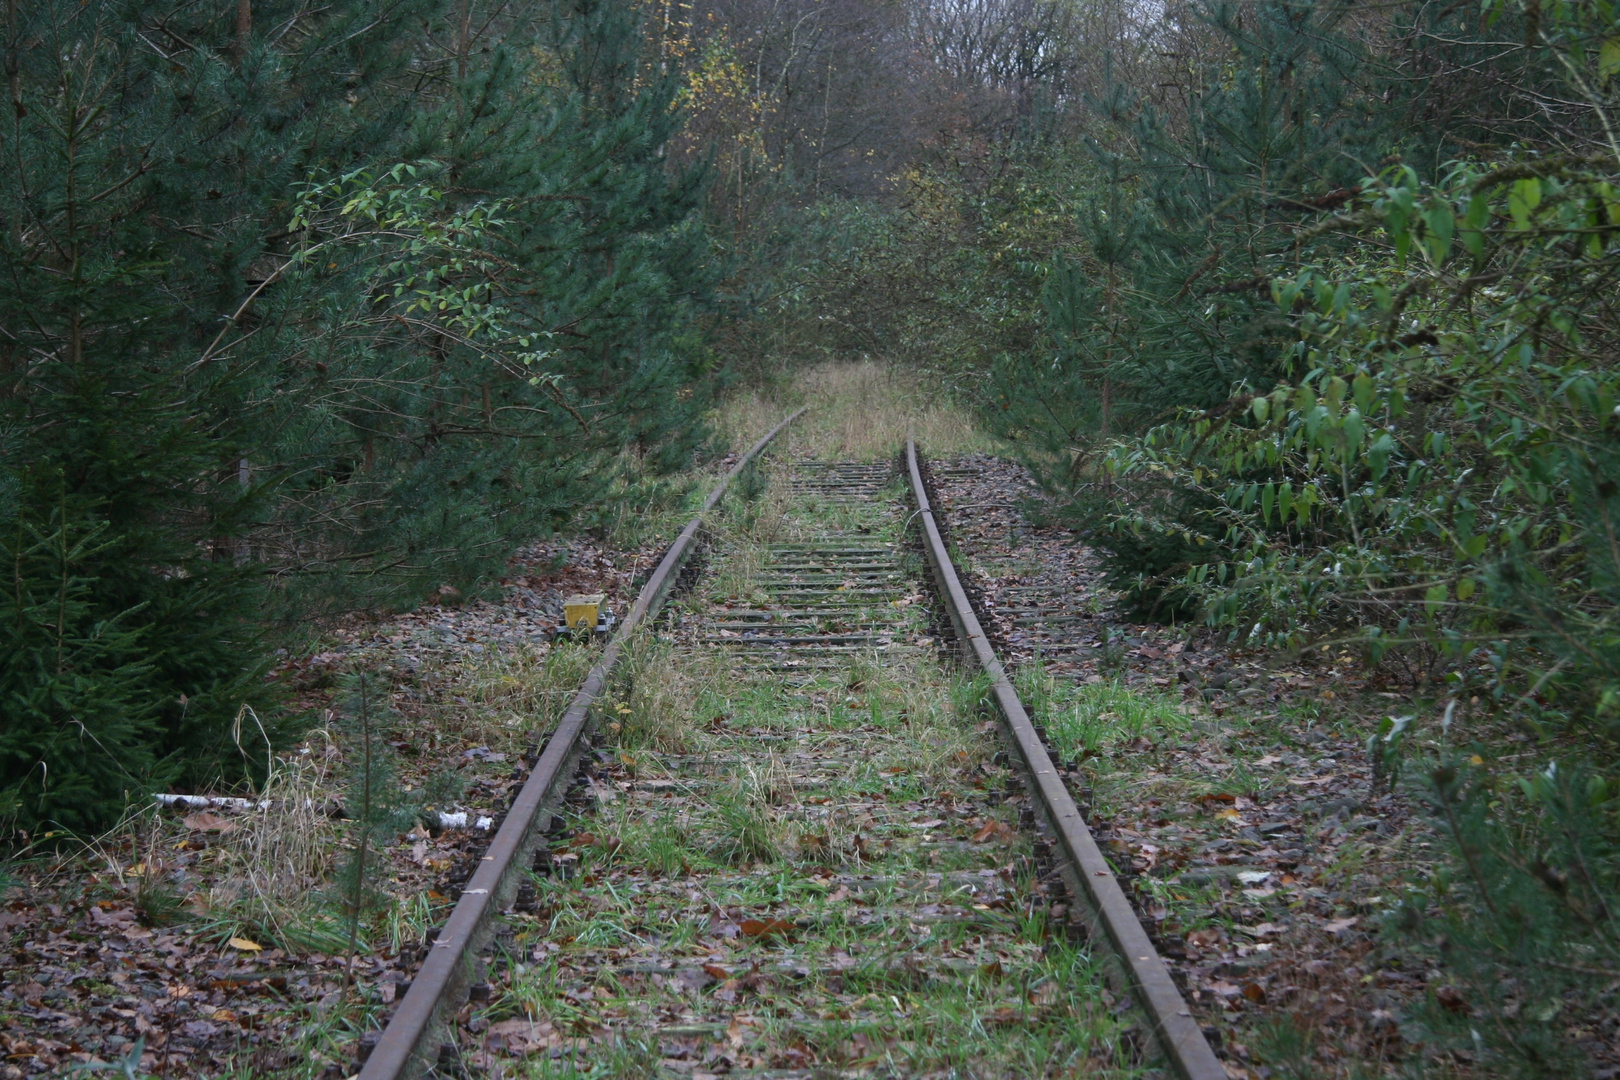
(772, 872)
(858, 412)
(173, 890)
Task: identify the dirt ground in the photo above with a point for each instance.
(209, 941)
(1235, 790)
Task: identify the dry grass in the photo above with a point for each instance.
(659, 699)
(266, 882)
(282, 852)
(858, 412)
(494, 698)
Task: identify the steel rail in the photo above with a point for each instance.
(1092, 880)
(409, 1044)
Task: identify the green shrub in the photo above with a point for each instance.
(107, 689)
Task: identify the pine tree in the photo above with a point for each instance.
(244, 428)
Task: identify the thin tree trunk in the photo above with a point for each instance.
(244, 28)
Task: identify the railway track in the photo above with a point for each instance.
(821, 862)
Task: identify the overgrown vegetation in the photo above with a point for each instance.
(1302, 310)
(285, 336)
(1304, 313)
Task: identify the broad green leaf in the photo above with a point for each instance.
(1324, 297)
(1362, 389)
(1378, 456)
(1524, 197)
(1261, 408)
(1520, 211)
(1354, 428)
(1609, 58)
(1465, 588)
(1395, 221)
(1442, 224)
(1334, 397)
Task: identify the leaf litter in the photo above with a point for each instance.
(1242, 816)
(144, 939)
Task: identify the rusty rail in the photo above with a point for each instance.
(409, 1044)
(1091, 879)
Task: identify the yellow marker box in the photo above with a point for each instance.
(580, 612)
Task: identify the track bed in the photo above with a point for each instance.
(809, 864)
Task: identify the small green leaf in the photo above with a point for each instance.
(1261, 408)
(1609, 58)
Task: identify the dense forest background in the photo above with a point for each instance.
(1304, 311)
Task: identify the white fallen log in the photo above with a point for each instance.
(210, 802)
(460, 819)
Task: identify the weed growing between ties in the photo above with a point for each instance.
(798, 886)
(796, 861)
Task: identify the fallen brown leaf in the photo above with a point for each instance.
(1452, 1000)
(762, 928)
(208, 821)
(997, 830)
